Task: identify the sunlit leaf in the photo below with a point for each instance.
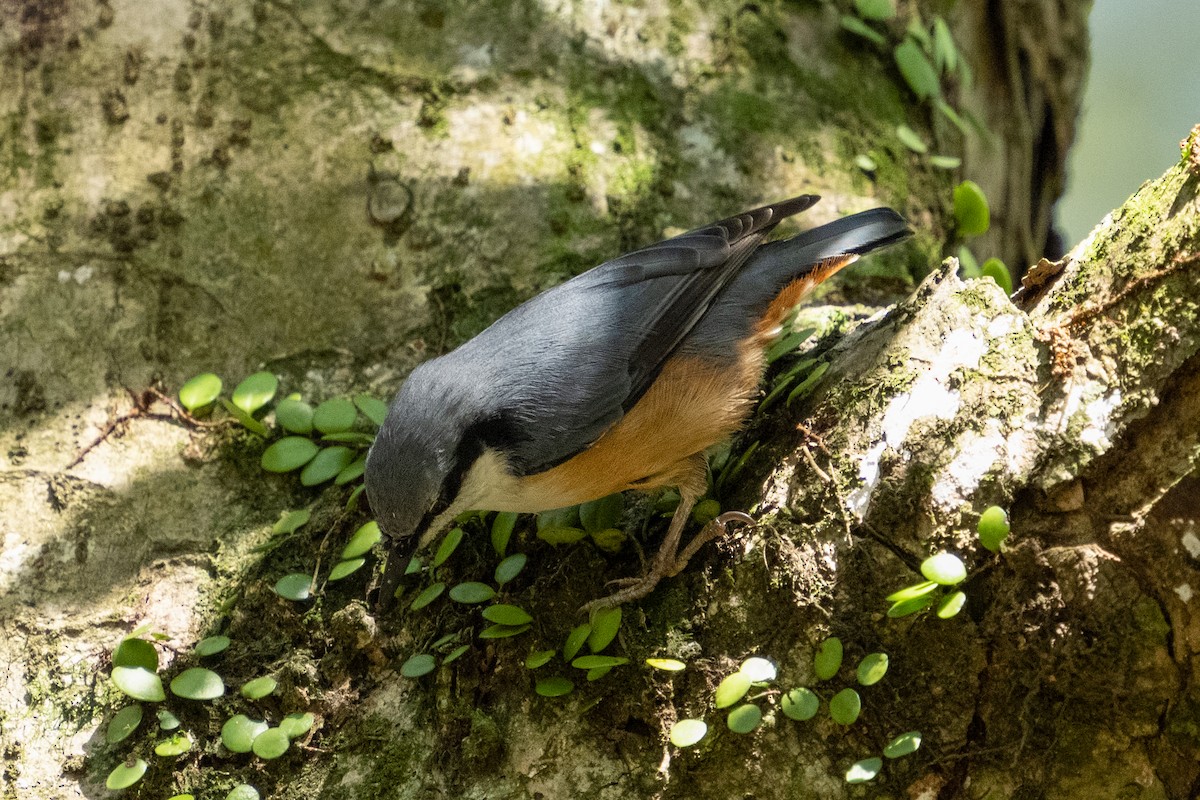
(139, 683)
(200, 391)
(687, 732)
(255, 391)
(198, 683)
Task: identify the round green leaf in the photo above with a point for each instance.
(605, 624)
(344, 568)
(610, 540)
(166, 720)
(951, 604)
(865, 163)
(334, 416)
(238, 732)
(126, 775)
(945, 53)
(945, 162)
(259, 687)
(918, 73)
(352, 472)
(538, 658)
(454, 654)
(561, 535)
(732, 689)
(418, 665)
(553, 687)
(182, 797)
(271, 743)
(666, 664)
(971, 211)
(177, 745)
(872, 669)
(362, 541)
(294, 415)
(993, 528)
(291, 521)
(575, 640)
(687, 732)
(372, 408)
(995, 269)
(856, 25)
(911, 592)
(800, 704)
(759, 670)
(472, 592)
(875, 9)
(602, 514)
(502, 631)
(123, 723)
(198, 683)
(903, 744)
(136, 653)
(255, 392)
(296, 586)
(289, 453)
(865, 770)
(828, 659)
(212, 645)
(139, 683)
(243, 791)
(510, 567)
(504, 614)
(428, 595)
(598, 662)
(596, 673)
(326, 465)
(450, 543)
(297, 724)
(845, 706)
(912, 605)
(744, 718)
(944, 568)
(911, 139)
(200, 391)
(502, 529)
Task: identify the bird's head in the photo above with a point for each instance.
(413, 472)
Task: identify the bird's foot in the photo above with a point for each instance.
(666, 565)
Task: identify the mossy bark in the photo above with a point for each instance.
(335, 191)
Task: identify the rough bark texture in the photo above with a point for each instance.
(335, 191)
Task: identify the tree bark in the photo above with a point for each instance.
(334, 192)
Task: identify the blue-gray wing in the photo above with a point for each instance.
(551, 376)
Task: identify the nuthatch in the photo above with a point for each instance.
(620, 378)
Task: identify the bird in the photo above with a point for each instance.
(619, 378)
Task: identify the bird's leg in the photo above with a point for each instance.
(669, 561)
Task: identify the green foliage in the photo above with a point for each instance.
(243, 791)
(334, 416)
(732, 689)
(911, 139)
(427, 596)
(828, 659)
(258, 688)
(845, 707)
(471, 592)
(123, 723)
(270, 744)
(450, 543)
(946, 569)
(255, 391)
(239, 731)
(903, 745)
(666, 664)
(875, 9)
(289, 453)
(198, 683)
(745, 718)
(872, 669)
(865, 770)
(971, 214)
(212, 645)
(995, 269)
(296, 586)
(605, 623)
(135, 652)
(200, 391)
(294, 415)
(553, 687)
(126, 774)
(417, 665)
(366, 537)
(139, 683)
(860, 28)
(510, 567)
(800, 704)
(538, 658)
(504, 614)
(176, 745)
(502, 530)
(993, 528)
(918, 73)
(687, 732)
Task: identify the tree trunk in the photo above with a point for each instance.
(335, 191)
